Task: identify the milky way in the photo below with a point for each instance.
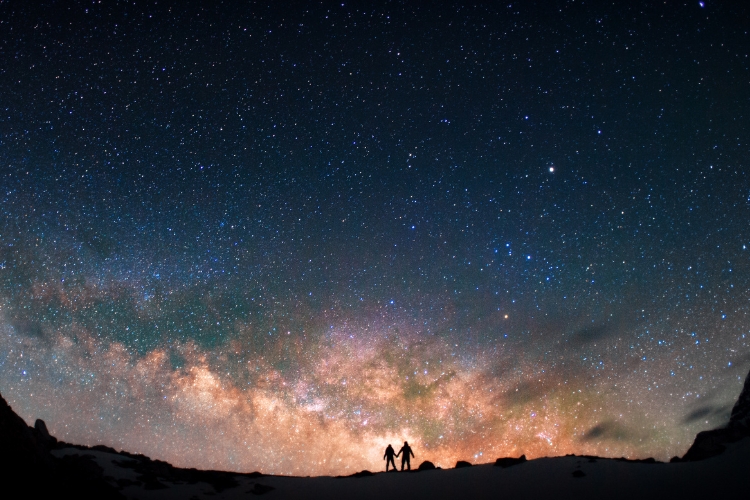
(277, 239)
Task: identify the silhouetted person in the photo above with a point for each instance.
(389, 453)
(406, 459)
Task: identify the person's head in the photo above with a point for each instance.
(406, 444)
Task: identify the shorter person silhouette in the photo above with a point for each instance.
(389, 453)
(406, 459)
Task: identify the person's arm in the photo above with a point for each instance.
(412, 453)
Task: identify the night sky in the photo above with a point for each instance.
(280, 237)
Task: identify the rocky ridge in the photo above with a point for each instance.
(28, 466)
(708, 444)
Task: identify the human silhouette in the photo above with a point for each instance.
(406, 459)
(389, 453)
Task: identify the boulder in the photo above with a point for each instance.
(362, 473)
(41, 428)
(462, 463)
(426, 465)
(43, 436)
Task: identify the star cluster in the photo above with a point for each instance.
(254, 237)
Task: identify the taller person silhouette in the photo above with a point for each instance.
(406, 459)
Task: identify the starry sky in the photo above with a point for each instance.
(279, 237)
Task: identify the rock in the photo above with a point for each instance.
(41, 428)
(708, 444)
(426, 465)
(509, 461)
(43, 436)
(363, 473)
(461, 464)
